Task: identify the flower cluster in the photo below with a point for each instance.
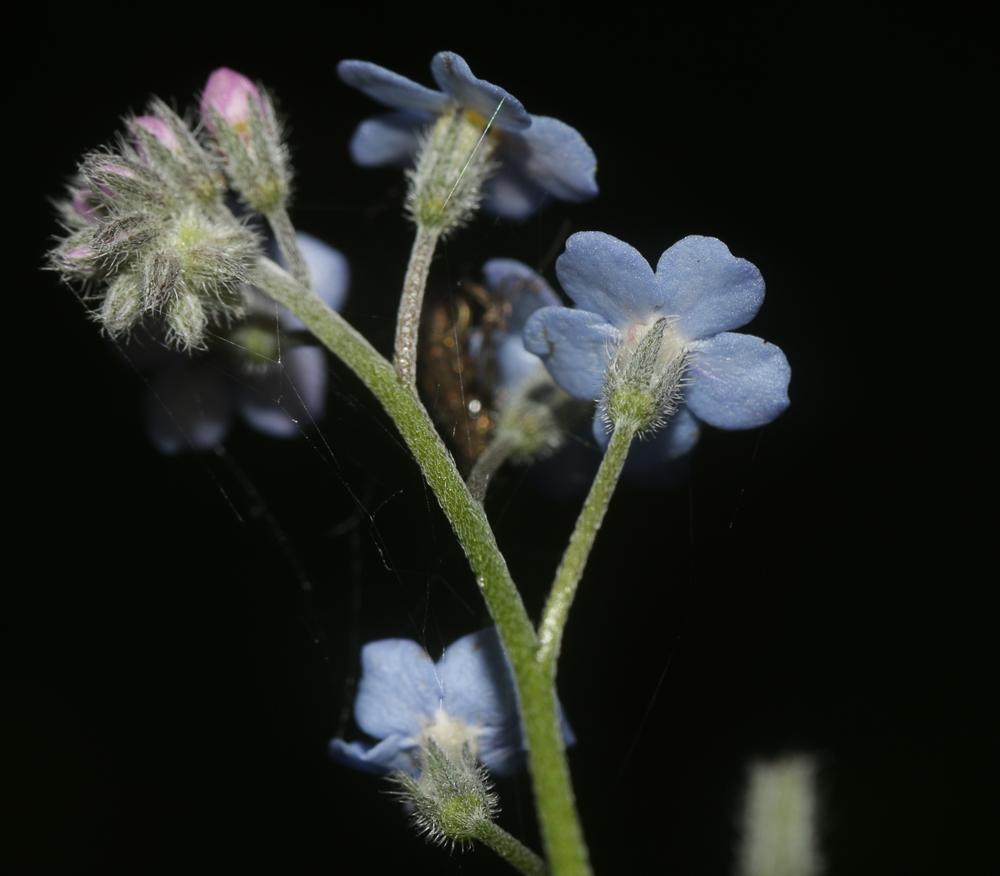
(536, 156)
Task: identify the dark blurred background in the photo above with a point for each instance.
(170, 685)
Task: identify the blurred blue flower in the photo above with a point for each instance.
(258, 369)
(538, 156)
(732, 381)
(404, 699)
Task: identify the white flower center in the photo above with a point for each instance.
(451, 734)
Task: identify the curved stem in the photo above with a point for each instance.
(497, 452)
(511, 849)
(560, 827)
(284, 234)
(574, 560)
(411, 303)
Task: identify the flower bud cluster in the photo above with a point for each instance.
(451, 798)
(645, 378)
(149, 235)
(454, 160)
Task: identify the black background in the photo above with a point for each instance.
(170, 688)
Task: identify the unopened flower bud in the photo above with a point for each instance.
(82, 202)
(159, 129)
(187, 321)
(243, 124)
(232, 98)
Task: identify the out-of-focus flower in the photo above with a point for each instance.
(664, 333)
(464, 701)
(261, 369)
(537, 156)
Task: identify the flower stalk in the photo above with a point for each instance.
(561, 832)
(574, 560)
(411, 304)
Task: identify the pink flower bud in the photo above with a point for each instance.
(232, 96)
(159, 129)
(83, 206)
(79, 253)
(112, 167)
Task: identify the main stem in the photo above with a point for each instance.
(574, 560)
(561, 833)
(411, 303)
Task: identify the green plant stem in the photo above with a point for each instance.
(511, 849)
(574, 560)
(284, 234)
(561, 833)
(496, 453)
(411, 303)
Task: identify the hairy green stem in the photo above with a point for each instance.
(561, 833)
(496, 453)
(284, 234)
(411, 304)
(574, 560)
(511, 849)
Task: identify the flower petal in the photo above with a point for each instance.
(188, 407)
(282, 401)
(575, 345)
(399, 688)
(453, 75)
(509, 194)
(557, 158)
(476, 680)
(607, 276)
(387, 139)
(709, 288)
(525, 289)
(737, 381)
(393, 753)
(329, 275)
(390, 88)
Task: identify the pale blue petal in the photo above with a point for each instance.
(399, 690)
(189, 406)
(607, 276)
(514, 363)
(557, 158)
(285, 401)
(737, 381)
(329, 276)
(509, 194)
(576, 346)
(709, 288)
(523, 288)
(389, 139)
(453, 75)
(393, 753)
(390, 88)
(477, 683)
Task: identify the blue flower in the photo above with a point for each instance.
(404, 699)
(193, 400)
(731, 380)
(538, 156)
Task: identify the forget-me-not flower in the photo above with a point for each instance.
(537, 156)
(698, 292)
(523, 291)
(405, 699)
(258, 370)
